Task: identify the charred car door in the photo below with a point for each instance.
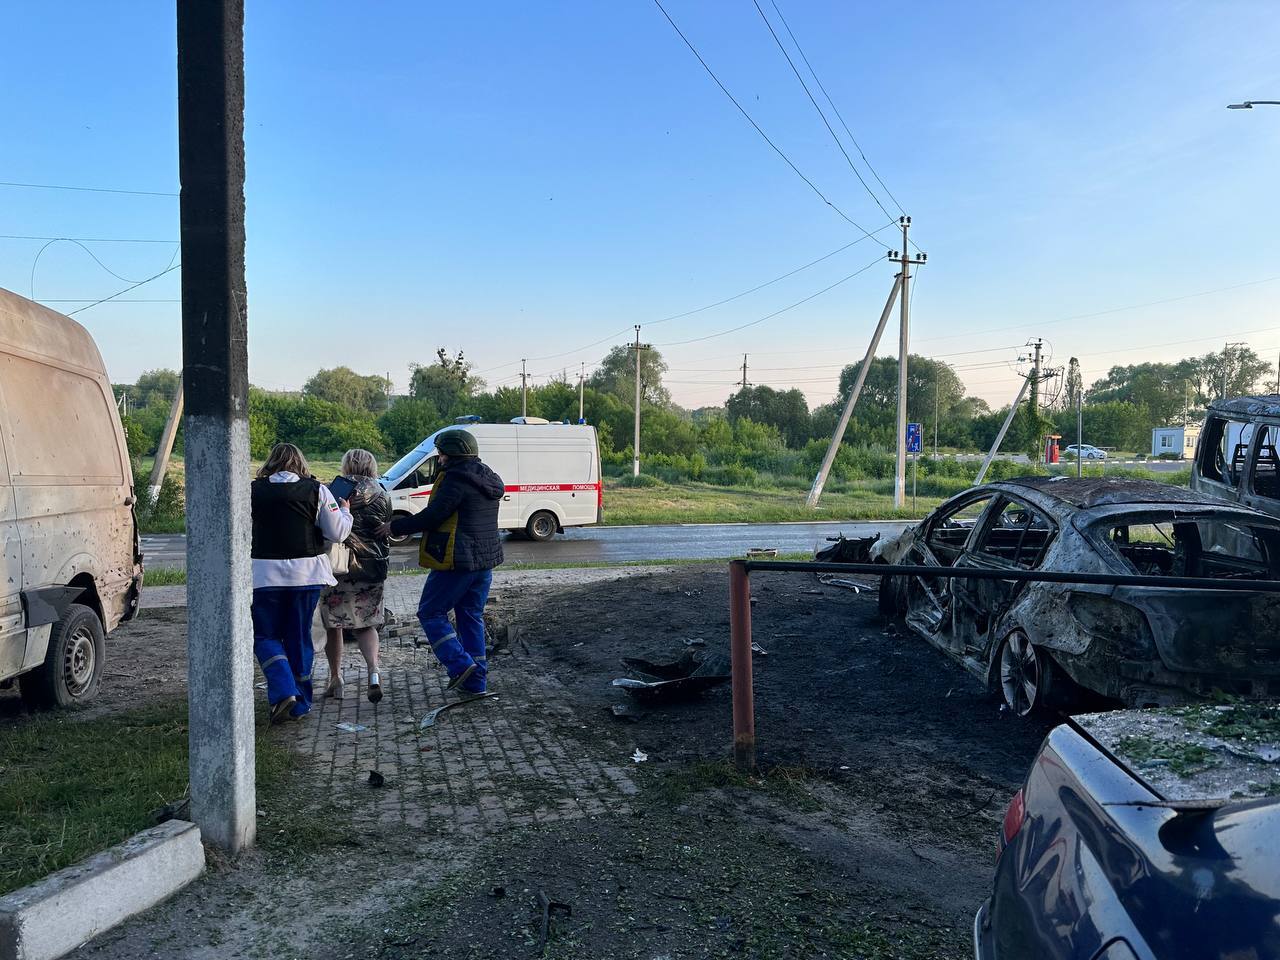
(943, 542)
(1012, 536)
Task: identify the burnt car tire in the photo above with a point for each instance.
(891, 598)
(1025, 676)
(73, 664)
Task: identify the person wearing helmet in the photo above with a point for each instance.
(460, 546)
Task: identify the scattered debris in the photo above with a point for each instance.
(498, 893)
(178, 810)
(639, 756)
(695, 642)
(430, 719)
(376, 779)
(758, 650)
(346, 726)
(857, 586)
(847, 550)
(682, 679)
(761, 553)
(625, 711)
(550, 908)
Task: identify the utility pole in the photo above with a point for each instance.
(1080, 432)
(744, 371)
(1004, 428)
(833, 448)
(1226, 364)
(935, 414)
(165, 448)
(582, 380)
(1037, 345)
(635, 448)
(215, 376)
(904, 341)
(524, 391)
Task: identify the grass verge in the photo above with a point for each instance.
(71, 787)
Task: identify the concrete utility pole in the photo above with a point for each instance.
(1037, 345)
(1080, 433)
(215, 378)
(1004, 428)
(635, 461)
(524, 391)
(744, 371)
(164, 449)
(904, 342)
(935, 414)
(837, 438)
(582, 382)
(1226, 363)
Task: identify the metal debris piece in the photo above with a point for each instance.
(681, 679)
(376, 779)
(857, 586)
(639, 756)
(625, 711)
(550, 908)
(758, 650)
(695, 642)
(430, 719)
(346, 726)
(847, 550)
(760, 553)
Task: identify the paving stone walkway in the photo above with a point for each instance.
(485, 765)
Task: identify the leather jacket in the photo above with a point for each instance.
(370, 508)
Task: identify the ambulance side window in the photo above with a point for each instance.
(423, 476)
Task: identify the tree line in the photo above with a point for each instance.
(339, 408)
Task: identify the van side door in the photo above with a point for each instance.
(13, 634)
(500, 453)
(557, 473)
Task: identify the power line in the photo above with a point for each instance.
(95, 257)
(63, 186)
(712, 336)
(18, 236)
(113, 300)
(835, 109)
(742, 110)
(791, 273)
(172, 266)
(825, 122)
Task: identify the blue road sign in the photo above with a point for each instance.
(913, 438)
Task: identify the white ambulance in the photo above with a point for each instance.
(551, 472)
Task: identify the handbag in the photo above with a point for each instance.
(339, 555)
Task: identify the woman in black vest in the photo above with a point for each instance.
(355, 603)
(293, 515)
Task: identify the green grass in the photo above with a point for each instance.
(71, 787)
(163, 577)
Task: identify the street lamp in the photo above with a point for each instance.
(1249, 104)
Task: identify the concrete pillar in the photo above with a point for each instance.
(215, 379)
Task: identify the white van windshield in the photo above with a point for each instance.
(410, 460)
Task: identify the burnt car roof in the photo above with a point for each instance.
(1086, 492)
(1265, 405)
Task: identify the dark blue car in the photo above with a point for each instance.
(1143, 835)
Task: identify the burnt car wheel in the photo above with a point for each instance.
(1025, 675)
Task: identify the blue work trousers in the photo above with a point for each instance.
(464, 592)
(282, 642)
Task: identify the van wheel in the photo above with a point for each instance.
(397, 541)
(542, 526)
(72, 668)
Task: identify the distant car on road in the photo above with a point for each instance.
(1107, 853)
(1042, 645)
(1085, 451)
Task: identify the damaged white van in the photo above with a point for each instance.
(551, 472)
(70, 559)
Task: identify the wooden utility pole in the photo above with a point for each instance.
(215, 375)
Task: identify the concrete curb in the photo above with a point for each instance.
(67, 909)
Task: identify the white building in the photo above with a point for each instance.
(1179, 440)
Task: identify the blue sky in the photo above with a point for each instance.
(520, 180)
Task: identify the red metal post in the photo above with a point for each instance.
(744, 713)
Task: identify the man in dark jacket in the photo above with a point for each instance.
(460, 543)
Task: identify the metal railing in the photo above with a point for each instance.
(744, 724)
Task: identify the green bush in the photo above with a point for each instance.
(641, 480)
(730, 475)
(166, 513)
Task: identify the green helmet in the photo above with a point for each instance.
(457, 443)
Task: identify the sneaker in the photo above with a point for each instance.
(282, 711)
(335, 689)
(454, 681)
(375, 687)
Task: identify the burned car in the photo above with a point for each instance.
(1050, 646)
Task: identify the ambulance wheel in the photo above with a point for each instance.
(542, 526)
(397, 541)
(72, 668)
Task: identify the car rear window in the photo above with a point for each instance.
(1223, 547)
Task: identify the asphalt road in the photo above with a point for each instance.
(700, 541)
